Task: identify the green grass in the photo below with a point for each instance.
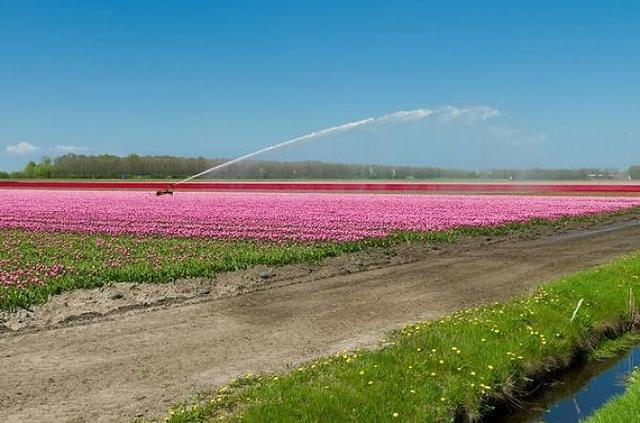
(611, 348)
(624, 408)
(90, 261)
(455, 367)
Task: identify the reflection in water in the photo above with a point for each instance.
(578, 394)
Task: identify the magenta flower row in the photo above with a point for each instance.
(280, 216)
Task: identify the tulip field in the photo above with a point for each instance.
(279, 216)
(54, 241)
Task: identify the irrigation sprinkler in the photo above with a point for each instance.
(167, 191)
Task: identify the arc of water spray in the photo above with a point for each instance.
(399, 116)
(335, 129)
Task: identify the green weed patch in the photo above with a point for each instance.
(452, 368)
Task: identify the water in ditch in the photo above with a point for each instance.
(578, 394)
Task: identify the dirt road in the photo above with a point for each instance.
(115, 368)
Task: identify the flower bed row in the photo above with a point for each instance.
(280, 217)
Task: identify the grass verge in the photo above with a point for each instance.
(35, 265)
(451, 369)
(611, 348)
(623, 409)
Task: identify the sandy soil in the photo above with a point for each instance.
(95, 356)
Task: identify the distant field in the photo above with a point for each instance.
(578, 187)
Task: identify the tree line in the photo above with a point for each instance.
(133, 166)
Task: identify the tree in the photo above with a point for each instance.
(135, 166)
(634, 172)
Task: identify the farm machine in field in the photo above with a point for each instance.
(168, 191)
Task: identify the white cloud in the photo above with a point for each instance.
(64, 149)
(21, 149)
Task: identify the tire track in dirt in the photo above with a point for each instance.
(114, 369)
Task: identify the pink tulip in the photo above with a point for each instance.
(279, 216)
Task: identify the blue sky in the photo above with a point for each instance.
(219, 79)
